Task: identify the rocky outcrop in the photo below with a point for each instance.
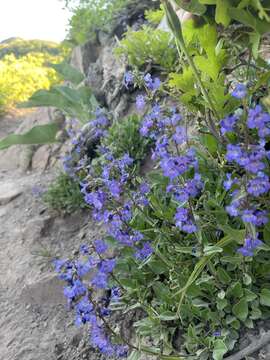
(104, 72)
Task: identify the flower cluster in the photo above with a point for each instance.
(84, 276)
(250, 180)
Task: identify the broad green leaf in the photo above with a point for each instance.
(68, 72)
(249, 295)
(265, 297)
(219, 350)
(210, 142)
(241, 15)
(222, 14)
(235, 290)
(255, 314)
(192, 6)
(240, 310)
(41, 134)
(173, 20)
(221, 303)
(207, 36)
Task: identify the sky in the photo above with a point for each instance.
(33, 19)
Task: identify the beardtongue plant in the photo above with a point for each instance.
(188, 246)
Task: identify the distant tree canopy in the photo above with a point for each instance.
(24, 68)
(20, 47)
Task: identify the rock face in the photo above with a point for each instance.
(104, 73)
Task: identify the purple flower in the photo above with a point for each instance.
(128, 79)
(150, 83)
(180, 135)
(140, 102)
(233, 208)
(107, 266)
(250, 246)
(145, 252)
(258, 186)
(84, 310)
(229, 182)
(114, 188)
(100, 247)
(84, 249)
(240, 91)
(227, 124)
(234, 152)
(74, 290)
(100, 280)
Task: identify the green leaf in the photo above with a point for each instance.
(68, 72)
(157, 266)
(210, 142)
(223, 276)
(249, 295)
(173, 21)
(168, 316)
(222, 12)
(220, 349)
(255, 314)
(241, 15)
(212, 249)
(192, 6)
(266, 231)
(247, 280)
(221, 303)
(240, 310)
(255, 39)
(235, 290)
(134, 355)
(265, 297)
(41, 134)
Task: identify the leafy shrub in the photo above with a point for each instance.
(154, 16)
(146, 46)
(192, 240)
(64, 195)
(90, 16)
(124, 137)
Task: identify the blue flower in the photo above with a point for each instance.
(144, 252)
(128, 79)
(100, 246)
(227, 124)
(250, 245)
(259, 185)
(150, 83)
(140, 102)
(240, 91)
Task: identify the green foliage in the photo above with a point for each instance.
(148, 46)
(74, 100)
(124, 137)
(64, 195)
(41, 134)
(20, 47)
(90, 16)
(154, 16)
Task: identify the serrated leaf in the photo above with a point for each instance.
(41, 134)
(265, 297)
(240, 310)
